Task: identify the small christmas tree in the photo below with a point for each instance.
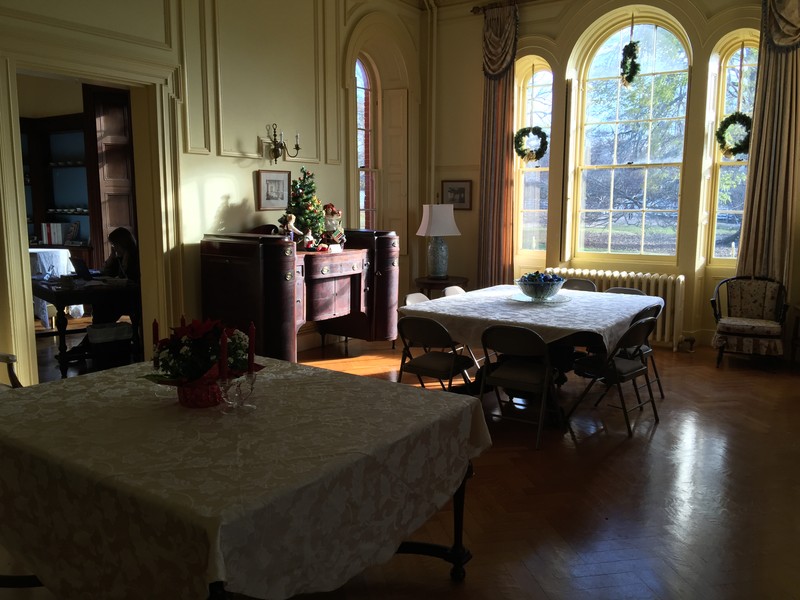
(305, 205)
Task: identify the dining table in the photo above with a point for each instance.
(603, 316)
(109, 488)
(66, 291)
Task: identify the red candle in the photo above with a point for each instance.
(251, 349)
(223, 356)
(155, 344)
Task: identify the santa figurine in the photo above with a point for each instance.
(334, 233)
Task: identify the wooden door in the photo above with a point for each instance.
(111, 149)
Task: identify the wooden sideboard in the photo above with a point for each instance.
(264, 279)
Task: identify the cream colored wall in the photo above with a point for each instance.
(205, 78)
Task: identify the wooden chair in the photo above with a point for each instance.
(576, 283)
(750, 314)
(617, 368)
(15, 581)
(429, 351)
(518, 361)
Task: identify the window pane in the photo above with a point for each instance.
(670, 54)
(593, 232)
(633, 142)
(663, 185)
(732, 179)
(643, 34)
(601, 100)
(728, 231)
(628, 189)
(596, 187)
(634, 100)
(669, 95)
(599, 145)
(534, 230)
(626, 232)
(667, 141)
(606, 61)
(534, 195)
(748, 89)
(661, 233)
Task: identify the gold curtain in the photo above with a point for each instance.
(495, 218)
(773, 181)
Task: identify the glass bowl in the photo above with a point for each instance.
(540, 290)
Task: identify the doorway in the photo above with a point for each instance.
(77, 150)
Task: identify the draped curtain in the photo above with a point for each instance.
(495, 219)
(773, 184)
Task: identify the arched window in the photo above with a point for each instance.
(735, 93)
(534, 108)
(630, 163)
(365, 145)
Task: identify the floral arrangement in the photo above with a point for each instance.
(738, 120)
(195, 351)
(523, 148)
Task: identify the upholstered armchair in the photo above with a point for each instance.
(750, 314)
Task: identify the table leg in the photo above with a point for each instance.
(61, 326)
(457, 555)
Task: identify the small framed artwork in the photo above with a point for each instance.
(457, 193)
(272, 190)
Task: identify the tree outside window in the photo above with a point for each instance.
(633, 137)
(736, 94)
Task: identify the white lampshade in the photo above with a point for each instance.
(438, 220)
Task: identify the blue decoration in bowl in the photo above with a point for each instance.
(540, 286)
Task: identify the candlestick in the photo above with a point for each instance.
(223, 356)
(251, 348)
(183, 321)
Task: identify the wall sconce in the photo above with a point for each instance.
(278, 147)
(437, 221)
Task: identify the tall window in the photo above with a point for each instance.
(633, 136)
(365, 145)
(736, 94)
(534, 109)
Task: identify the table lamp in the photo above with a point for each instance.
(437, 222)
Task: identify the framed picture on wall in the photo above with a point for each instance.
(457, 193)
(273, 189)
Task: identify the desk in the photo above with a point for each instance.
(61, 293)
(111, 489)
(426, 284)
(52, 261)
(466, 315)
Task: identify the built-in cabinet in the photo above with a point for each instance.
(78, 171)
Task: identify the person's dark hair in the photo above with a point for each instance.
(123, 238)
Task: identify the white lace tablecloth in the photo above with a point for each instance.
(110, 489)
(466, 315)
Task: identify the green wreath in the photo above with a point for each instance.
(521, 148)
(743, 145)
(629, 66)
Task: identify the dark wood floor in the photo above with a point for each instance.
(704, 504)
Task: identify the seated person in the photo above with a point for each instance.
(122, 263)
